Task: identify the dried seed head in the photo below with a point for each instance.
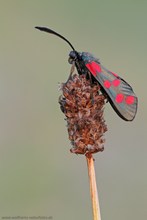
(83, 105)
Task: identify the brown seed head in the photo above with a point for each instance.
(83, 105)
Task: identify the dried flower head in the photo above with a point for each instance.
(83, 105)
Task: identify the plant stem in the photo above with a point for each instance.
(93, 188)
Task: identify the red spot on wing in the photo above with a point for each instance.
(116, 82)
(114, 74)
(107, 84)
(119, 98)
(94, 68)
(130, 100)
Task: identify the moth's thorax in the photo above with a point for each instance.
(88, 57)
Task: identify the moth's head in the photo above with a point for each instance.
(73, 56)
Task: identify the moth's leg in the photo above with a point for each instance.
(71, 72)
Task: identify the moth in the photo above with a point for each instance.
(118, 92)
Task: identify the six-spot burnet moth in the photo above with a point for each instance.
(118, 92)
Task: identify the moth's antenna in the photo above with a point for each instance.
(55, 33)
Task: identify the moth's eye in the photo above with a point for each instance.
(73, 55)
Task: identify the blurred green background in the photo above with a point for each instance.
(38, 174)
